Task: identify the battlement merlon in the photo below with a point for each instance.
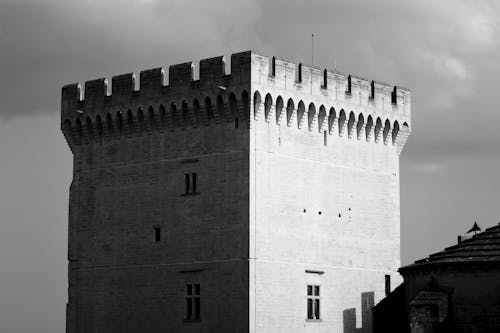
(315, 81)
(250, 73)
(152, 84)
(212, 71)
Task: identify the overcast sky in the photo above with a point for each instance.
(447, 52)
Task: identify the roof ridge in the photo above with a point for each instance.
(481, 247)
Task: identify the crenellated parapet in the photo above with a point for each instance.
(151, 102)
(258, 88)
(322, 100)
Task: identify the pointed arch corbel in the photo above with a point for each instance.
(290, 112)
(279, 110)
(360, 127)
(351, 125)
(369, 128)
(332, 120)
(301, 111)
(342, 122)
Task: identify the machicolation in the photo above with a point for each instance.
(327, 101)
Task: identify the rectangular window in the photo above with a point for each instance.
(387, 285)
(313, 302)
(157, 234)
(193, 177)
(190, 183)
(193, 308)
(186, 183)
(325, 138)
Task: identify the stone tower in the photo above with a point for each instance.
(265, 200)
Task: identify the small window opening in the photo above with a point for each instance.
(273, 66)
(394, 96)
(313, 302)
(299, 72)
(186, 183)
(304, 210)
(193, 175)
(319, 212)
(340, 215)
(325, 79)
(193, 306)
(236, 123)
(372, 90)
(325, 138)
(349, 85)
(190, 183)
(387, 285)
(157, 234)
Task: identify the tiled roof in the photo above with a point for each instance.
(483, 247)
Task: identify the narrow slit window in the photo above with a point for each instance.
(325, 138)
(387, 285)
(236, 123)
(190, 184)
(309, 308)
(394, 96)
(157, 234)
(186, 183)
(193, 175)
(189, 308)
(197, 307)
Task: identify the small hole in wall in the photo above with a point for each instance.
(157, 234)
(319, 212)
(340, 215)
(304, 210)
(349, 209)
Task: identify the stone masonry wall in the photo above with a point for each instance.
(132, 149)
(128, 187)
(324, 198)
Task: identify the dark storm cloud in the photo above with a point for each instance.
(447, 52)
(444, 51)
(46, 44)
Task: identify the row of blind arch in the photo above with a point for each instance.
(353, 124)
(126, 122)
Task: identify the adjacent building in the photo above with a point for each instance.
(455, 290)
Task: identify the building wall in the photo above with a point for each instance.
(124, 186)
(329, 205)
(151, 298)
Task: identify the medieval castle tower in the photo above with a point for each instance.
(264, 200)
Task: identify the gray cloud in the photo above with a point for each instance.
(445, 51)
